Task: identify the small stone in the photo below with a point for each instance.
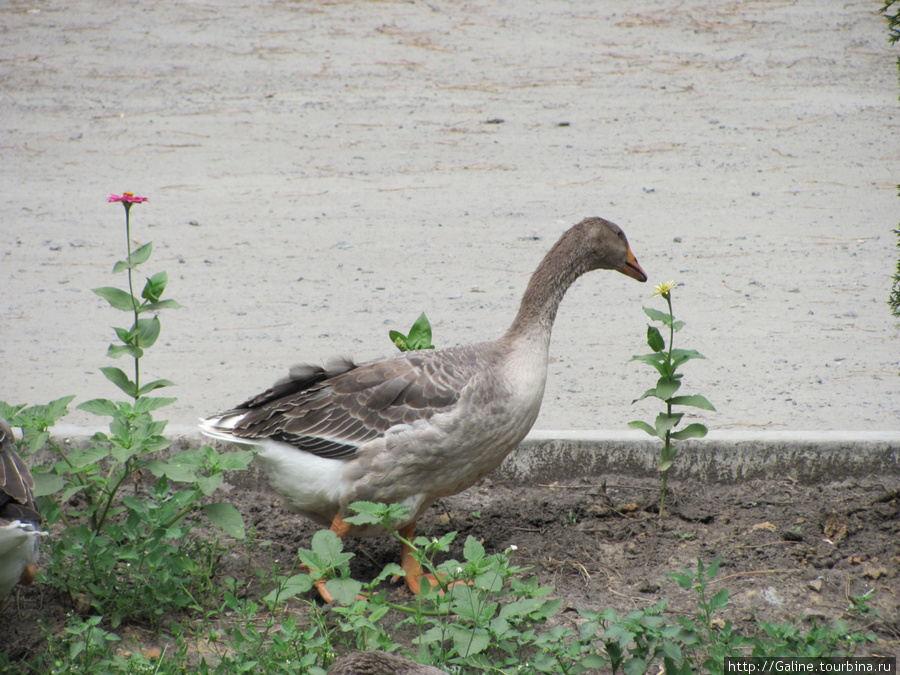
(648, 587)
(816, 584)
(791, 535)
(773, 597)
(810, 613)
(874, 572)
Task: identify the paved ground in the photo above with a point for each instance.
(322, 172)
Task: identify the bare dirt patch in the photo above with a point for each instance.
(789, 550)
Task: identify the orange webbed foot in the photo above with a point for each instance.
(413, 569)
(340, 528)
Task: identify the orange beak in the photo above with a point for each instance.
(632, 269)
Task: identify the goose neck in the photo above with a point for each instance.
(549, 283)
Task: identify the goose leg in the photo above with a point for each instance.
(28, 575)
(409, 564)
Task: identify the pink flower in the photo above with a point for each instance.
(127, 198)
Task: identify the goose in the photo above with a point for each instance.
(380, 663)
(19, 518)
(420, 425)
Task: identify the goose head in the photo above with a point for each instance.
(592, 244)
(598, 244)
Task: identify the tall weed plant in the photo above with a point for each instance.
(121, 512)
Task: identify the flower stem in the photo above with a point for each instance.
(134, 304)
(668, 443)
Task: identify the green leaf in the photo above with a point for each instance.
(47, 484)
(117, 298)
(156, 306)
(100, 406)
(226, 517)
(174, 470)
(299, 583)
(147, 332)
(344, 590)
(34, 439)
(680, 356)
(666, 422)
(690, 431)
(328, 546)
(655, 339)
(142, 255)
(137, 257)
(469, 641)
(209, 484)
(666, 386)
(656, 315)
(70, 491)
(658, 361)
(696, 401)
(473, 550)
(433, 634)
(237, 460)
(399, 340)
(118, 351)
(389, 570)
(368, 512)
(90, 456)
(420, 334)
(637, 424)
(155, 287)
(156, 384)
(646, 394)
(635, 666)
(148, 404)
(59, 407)
(124, 335)
(8, 412)
(594, 661)
(491, 581)
(120, 379)
(719, 600)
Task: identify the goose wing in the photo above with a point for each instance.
(334, 410)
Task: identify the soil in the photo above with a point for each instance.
(789, 550)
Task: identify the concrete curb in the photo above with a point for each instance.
(546, 456)
(721, 457)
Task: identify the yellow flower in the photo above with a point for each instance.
(663, 290)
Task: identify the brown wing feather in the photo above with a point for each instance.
(332, 411)
(16, 482)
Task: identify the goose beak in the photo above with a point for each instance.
(632, 269)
